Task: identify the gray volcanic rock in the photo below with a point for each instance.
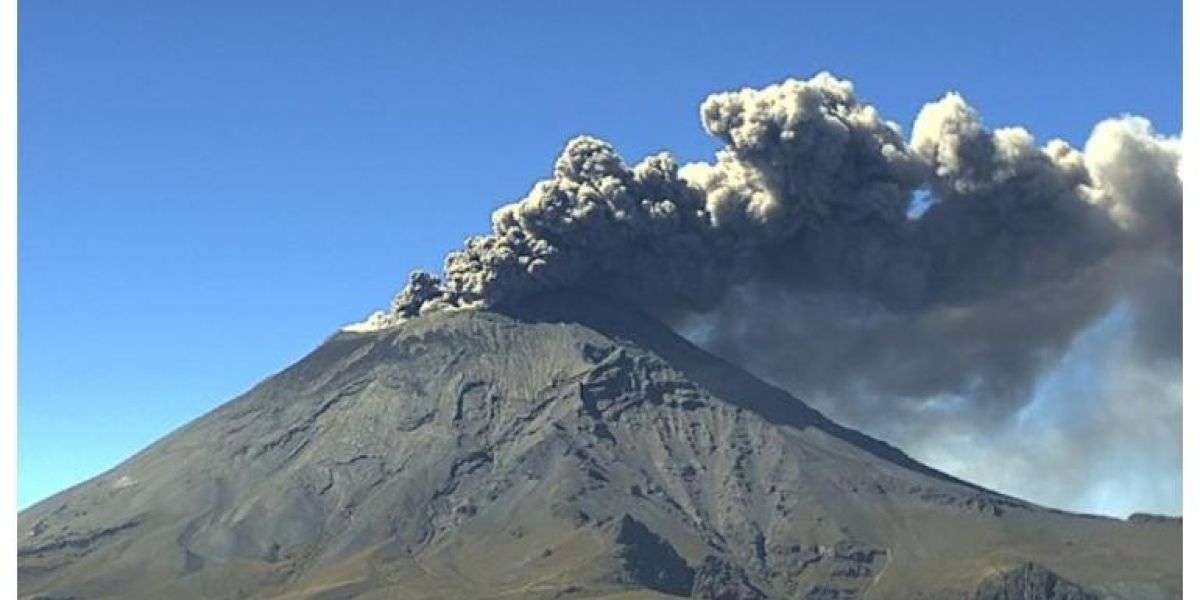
(716, 579)
(1030, 580)
(569, 449)
(1152, 519)
(649, 560)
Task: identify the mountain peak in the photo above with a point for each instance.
(568, 447)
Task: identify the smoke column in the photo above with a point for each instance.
(933, 290)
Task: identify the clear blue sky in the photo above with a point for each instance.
(209, 189)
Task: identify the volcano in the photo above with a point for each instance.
(570, 448)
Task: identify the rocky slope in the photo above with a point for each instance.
(569, 450)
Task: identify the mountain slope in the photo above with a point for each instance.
(566, 450)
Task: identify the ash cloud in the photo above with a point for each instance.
(800, 156)
(794, 253)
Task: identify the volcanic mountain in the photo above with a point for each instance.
(569, 449)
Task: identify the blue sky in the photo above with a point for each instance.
(209, 189)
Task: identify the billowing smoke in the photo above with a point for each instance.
(801, 156)
(922, 289)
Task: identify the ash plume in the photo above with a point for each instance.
(800, 156)
(797, 252)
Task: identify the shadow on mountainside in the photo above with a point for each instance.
(722, 378)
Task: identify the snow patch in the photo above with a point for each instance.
(376, 322)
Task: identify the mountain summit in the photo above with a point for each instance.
(569, 449)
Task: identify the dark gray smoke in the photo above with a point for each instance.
(800, 156)
(798, 254)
